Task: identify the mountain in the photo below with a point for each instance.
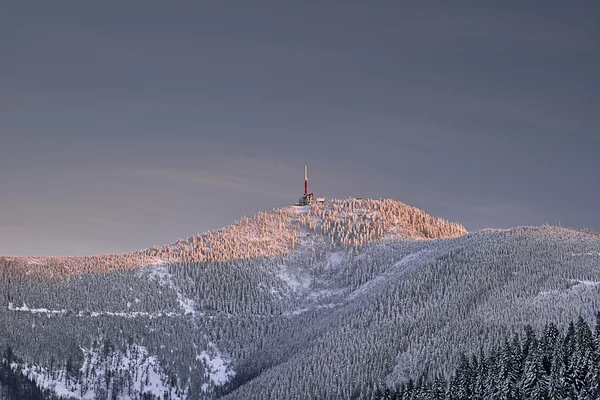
(330, 300)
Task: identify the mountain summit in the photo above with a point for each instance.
(350, 222)
(329, 300)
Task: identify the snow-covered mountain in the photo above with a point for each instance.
(324, 301)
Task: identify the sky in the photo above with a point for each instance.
(127, 124)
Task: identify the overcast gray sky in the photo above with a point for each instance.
(125, 124)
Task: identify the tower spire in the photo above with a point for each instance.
(305, 180)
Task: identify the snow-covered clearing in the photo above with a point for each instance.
(143, 371)
(55, 381)
(218, 369)
(293, 281)
(162, 274)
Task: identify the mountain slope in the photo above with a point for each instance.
(441, 299)
(324, 301)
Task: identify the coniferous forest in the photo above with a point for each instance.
(334, 300)
(549, 364)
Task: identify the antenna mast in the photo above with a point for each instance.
(305, 180)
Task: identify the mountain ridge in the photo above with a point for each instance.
(339, 294)
(297, 219)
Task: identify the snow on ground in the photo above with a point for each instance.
(584, 283)
(319, 294)
(162, 274)
(135, 314)
(218, 369)
(301, 209)
(578, 285)
(294, 282)
(303, 310)
(145, 372)
(56, 381)
(25, 308)
(188, 305)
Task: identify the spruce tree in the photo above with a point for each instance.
(534, 383)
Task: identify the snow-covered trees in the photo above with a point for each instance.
(351, 294)
(342, 222)
(551, 365)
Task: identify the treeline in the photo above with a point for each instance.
(547, 365)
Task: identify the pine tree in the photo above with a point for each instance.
(535, 382)
(464, 378)
(568, 373)
(529, 340)
(437, 390)
(481, 376)
(508, 373)
(557, 384)
(549, 341)
(583, 357)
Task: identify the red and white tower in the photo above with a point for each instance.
(307, 198)
(305, 180)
